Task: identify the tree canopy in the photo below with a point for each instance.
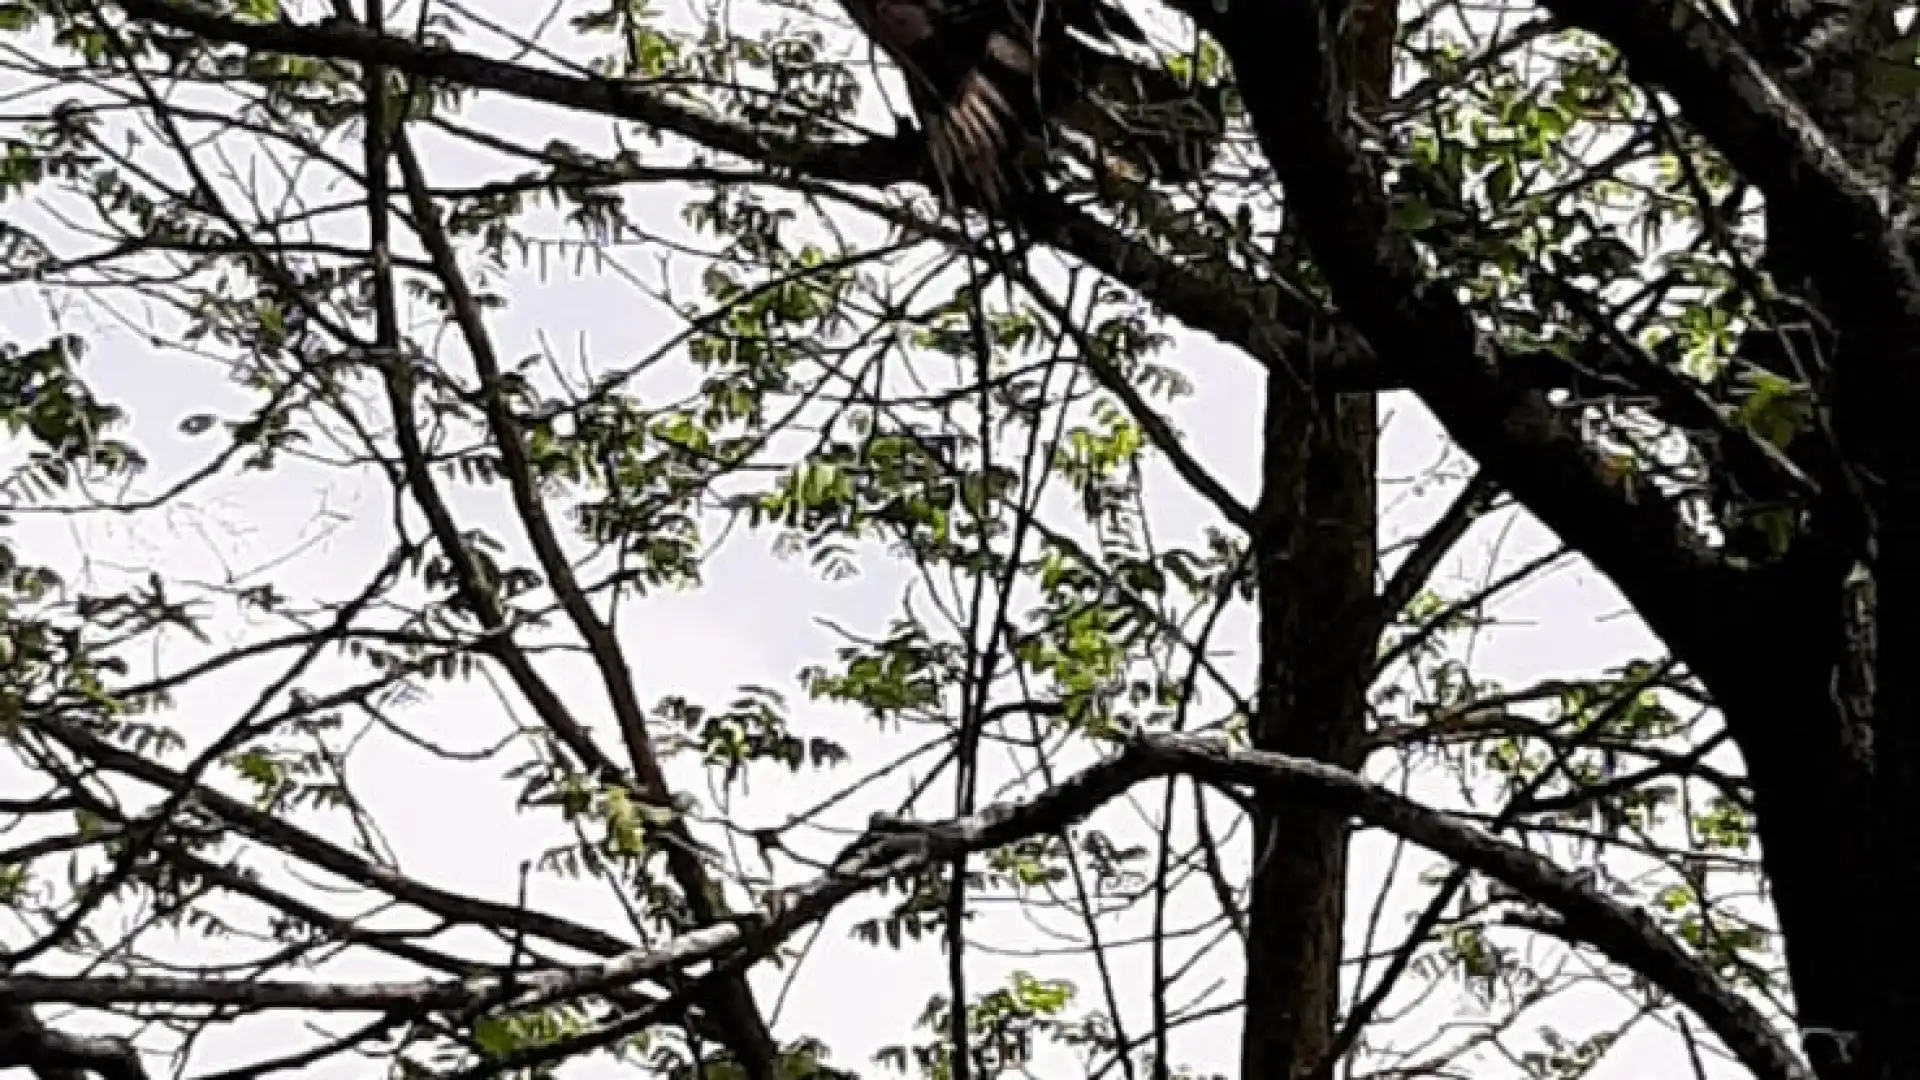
(579, 438)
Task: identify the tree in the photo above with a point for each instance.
(1644, 261)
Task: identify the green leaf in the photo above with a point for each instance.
(1413, 214)
(495, 1036)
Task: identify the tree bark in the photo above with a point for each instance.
(1316, 555)
(1839, 788)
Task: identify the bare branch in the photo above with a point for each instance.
(892, 848)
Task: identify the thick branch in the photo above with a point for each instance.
(1624, 934)
(530, 989)
(1258, 317)
(27, 1043)
(872, 161)
(1490, 401)
(891, 849)
(1268, 321)
(1730, 99)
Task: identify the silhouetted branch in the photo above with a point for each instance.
(893, 848)
(27, 1043)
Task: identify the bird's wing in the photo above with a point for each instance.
(974, 123)
(973, 69)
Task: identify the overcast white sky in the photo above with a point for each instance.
(758, 620)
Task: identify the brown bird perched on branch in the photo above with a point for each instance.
(987, 77)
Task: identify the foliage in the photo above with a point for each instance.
(251, 257)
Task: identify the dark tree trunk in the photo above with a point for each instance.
(1315, 558)
(1829, 731)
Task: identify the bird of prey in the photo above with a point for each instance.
(990, 78)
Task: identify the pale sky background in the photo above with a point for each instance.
(758, 620)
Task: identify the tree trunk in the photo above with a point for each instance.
(1315, 559)
(1830, 733)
